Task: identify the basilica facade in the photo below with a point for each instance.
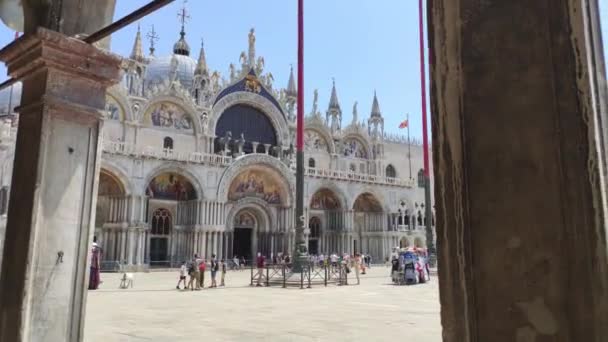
(196, 162)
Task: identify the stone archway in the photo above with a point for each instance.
(248, 224)
(110, 190)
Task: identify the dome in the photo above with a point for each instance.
(10, 98)
(159, 69)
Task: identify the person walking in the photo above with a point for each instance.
(201, 268)
(192, 280)
(260, 265)
(235, 260)
(214, 268)
(183, 271)
(356, 265)
(94, 272)
(223, 275)
(197, 273)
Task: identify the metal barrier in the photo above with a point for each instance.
(312, 274)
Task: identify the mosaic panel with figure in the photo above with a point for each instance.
(170, 115)
(258, 183)
(113, 109)
(244, 219)
(171, 186)
(108, 185)
(354, 148)
(367, 203)
(313, 141)
(324, 199)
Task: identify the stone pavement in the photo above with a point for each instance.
(155, 311)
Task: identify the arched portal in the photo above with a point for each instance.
(325, 199)
(369, 220)
(161, 225)
(404, 242)
(171, 186)
(246, 227)
(110, 189)
(247, 122)
(314, 225)
(367, 202)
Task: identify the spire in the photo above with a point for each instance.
(153, 38)
(201, 66)
(376, 107)
(137, 53)
(333, 101)
(291, 85)
(181, 47)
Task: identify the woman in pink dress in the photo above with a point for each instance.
(94, 278)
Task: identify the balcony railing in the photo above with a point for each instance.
(117, 147)
(358, 177)
(121, 148)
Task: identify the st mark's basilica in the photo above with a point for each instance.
(198, 162)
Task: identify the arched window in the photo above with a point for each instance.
(421, 178)
(419, 218)
(168, 143)
(251, 123)
(391, 172)
(312, 163)
(353, 168)
(161, 222)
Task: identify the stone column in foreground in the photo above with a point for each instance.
(44, 275)
(520, 170)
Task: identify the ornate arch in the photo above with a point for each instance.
(119, 174)
(367, 190)
(254, 100)
(320, 128)
(118, 94)
(257, 206)
(367, 144)
(333, 188)
(245, 162)
(180, 170)
(187, 106)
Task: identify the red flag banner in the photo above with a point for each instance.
(404, 124)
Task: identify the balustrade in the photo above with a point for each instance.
(118, 147)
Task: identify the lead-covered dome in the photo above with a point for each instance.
(176, 66)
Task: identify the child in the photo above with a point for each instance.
(183, 271)
(223, 273)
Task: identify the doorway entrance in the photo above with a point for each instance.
(241, 246)
(315, 233)
(244, 224)
(160, 230)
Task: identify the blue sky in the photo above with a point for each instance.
(364, 45)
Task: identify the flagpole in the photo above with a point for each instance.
(425, 144)
(409, 145)
(301, 247)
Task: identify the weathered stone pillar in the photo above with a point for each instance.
(51, 218)
(519, 170)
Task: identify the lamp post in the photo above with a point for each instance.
(425, 143)
(301, 248)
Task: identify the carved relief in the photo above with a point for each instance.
(169, 115)
(313, 141)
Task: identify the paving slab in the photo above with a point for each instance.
(153, 310)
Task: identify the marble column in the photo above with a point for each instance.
(520, 170)
(53, 192)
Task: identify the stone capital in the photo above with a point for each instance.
(68, 77)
